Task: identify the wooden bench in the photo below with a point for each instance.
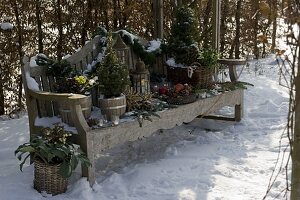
(44, 103)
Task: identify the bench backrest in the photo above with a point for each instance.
(78, 60)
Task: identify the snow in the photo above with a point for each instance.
(131, 36)
(203, 160)
(32, 62)
(51, 121)
(31, 83)
(66, 56)
(172, 63)
(154, 45)
(6, 26)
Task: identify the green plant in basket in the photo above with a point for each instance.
(209, 57)
(53, 147)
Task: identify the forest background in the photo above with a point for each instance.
(59, 27)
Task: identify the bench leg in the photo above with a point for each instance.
(238, 112)
(239, 108)
(89, 172)
(86, 141)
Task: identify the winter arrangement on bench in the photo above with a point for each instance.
(107, 93)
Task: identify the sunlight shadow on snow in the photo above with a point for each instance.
(187, 194)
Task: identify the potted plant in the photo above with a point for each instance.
(185, 63)
(113, 79)
(75, 85)
(54, 158)
(68, 80)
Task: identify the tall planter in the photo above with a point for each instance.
(111, 107)
(65, 111)
(195, 75)
(48, 179)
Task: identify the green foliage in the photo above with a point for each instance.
(113, 76)
(139, 49)
(208, 57)
(147, 57)
(100, 31)
(53, 147)
(229, 86)
(56, 68)
(68, 80)
(143, 106)
(183, 41)
(76, 85)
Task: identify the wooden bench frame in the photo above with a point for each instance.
(44, 103)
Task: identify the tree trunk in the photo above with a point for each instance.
(125, 17)
(295, 182)
(255, 28)
(179, 3)
(39, 25)
(115, 15)
(60, 30)
(223, 26)
(20, 47)
(205, 34)
(274, 24)
(85, 24)
(238, 29)
(2, 107)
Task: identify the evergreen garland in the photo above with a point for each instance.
(149, 58)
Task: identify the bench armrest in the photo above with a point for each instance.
(74, 100)
(59, 97)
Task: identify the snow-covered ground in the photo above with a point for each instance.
(204, 160)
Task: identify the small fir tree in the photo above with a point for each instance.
(113, 76)
(183, 41)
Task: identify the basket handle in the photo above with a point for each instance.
(190, 69)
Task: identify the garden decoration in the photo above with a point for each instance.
(54, 158)
(180, 94)
(114, 80)
(141, 78)
(41, 104)
(122, 50)
(144, 106)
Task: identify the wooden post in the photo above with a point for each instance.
(216, 24)
(158, 33)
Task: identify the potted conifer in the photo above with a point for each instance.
(187, 62)
(113, 79)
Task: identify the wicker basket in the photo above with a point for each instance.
(182, 99)
(201, 76)
(48, 179)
